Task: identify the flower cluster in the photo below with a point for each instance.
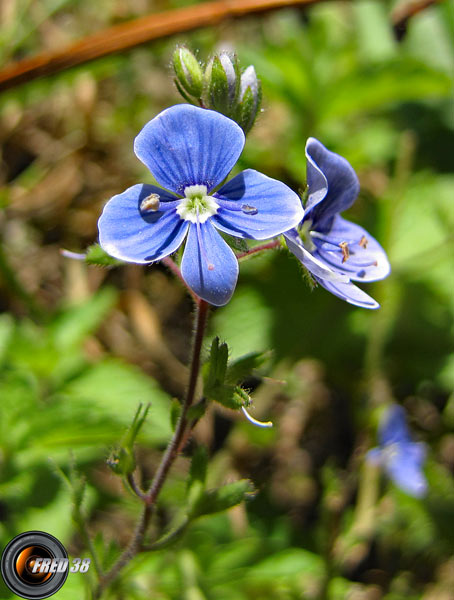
(400, 457)
(190, 151)
(334, 250)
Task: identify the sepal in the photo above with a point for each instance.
(189, 74)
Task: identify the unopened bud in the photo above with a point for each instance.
(249, 100)
(189, 75)
(222, 83)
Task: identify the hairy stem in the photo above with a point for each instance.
(172, 450)
(268, 246)
(175, 269)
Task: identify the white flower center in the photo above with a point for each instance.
(197, 206)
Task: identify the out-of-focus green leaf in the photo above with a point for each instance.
(288, 563)
(6, 332)
(226, 497)
(114, 388)
(244, 322)
(77, 322)
(380, 85)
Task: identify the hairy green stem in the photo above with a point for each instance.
(268, 246)
(173, 448)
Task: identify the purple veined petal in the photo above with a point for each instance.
(186, 145)
(404, 467)
(255, 206)
(313, 264)
(209, 266)
(343, 184)
(316, 180)
(128, 234)
(367, 261)
(348, 292)
(393, 427)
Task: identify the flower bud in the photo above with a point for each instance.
(249, 100)
(222, 83)
(189, 75)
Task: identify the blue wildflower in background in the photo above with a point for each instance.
(333, 249)
(190, 151)
(401, 457)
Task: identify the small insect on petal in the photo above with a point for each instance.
(249, 210)
(345, 251)
(151, 203)
(363, 242)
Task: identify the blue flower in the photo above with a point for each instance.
(190, 151)
(401, 458)
(333, 249)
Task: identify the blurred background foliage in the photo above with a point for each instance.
(81, 347)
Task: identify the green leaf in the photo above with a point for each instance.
(77, 322)
(95, 255)
(229, 495)
(6, 334)
(215, 368)
(288, 563)
(244, 366)
(108, 389)
(373, 87)
(199, 466)
(246, 321)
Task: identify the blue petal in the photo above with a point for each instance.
(127, 234)
(404, 467)
(367, 260)
(316, 181)
(393, 429)
(256, 206)
(348, 292)
(186, 145)
(313, 264)
(209, 266)
(343, 184)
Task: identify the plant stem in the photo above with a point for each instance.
(174, 445)
(269, 246)
(172, 450)
(172, 266)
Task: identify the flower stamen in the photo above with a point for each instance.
(345, 251)
(151, 203)
(197, 205)
(249, 210)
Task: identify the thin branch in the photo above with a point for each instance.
(268, 246)
(134, 33)
(173, 448)
(405, 12)
(135, 486)
(172, 266)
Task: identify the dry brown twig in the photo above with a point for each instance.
(134, 33)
